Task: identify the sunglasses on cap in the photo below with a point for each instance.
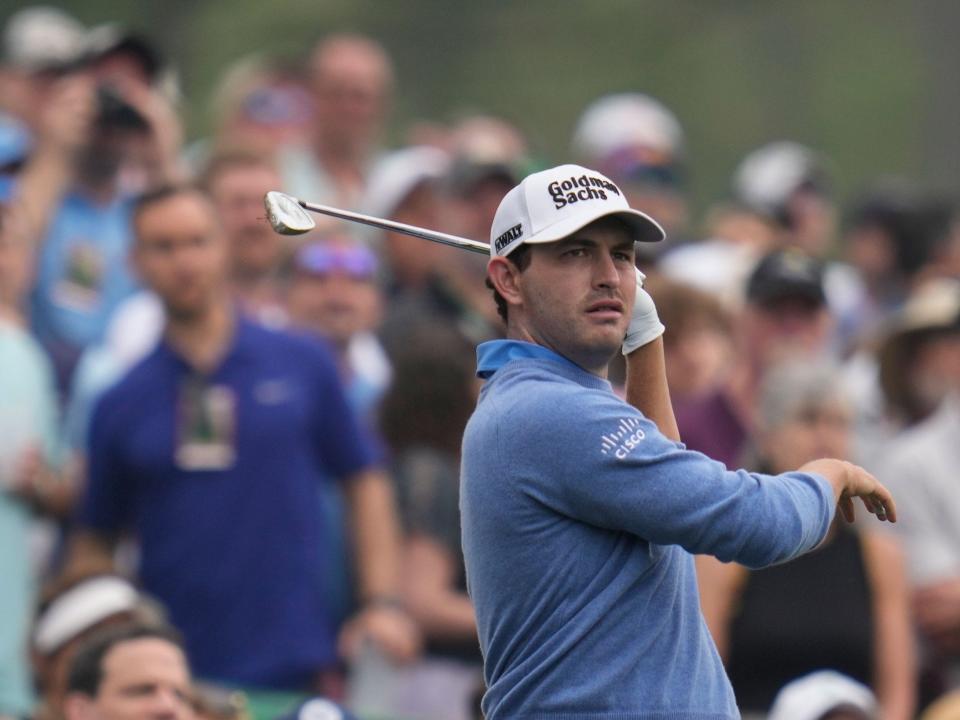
(277, 106)
(357, 261)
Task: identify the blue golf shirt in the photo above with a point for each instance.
(232, 549)
(579, 519)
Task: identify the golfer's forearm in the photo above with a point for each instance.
(647, 387)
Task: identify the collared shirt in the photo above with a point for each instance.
(579, 519)
(218, 475)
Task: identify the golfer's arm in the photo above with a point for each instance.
(376, 534)
(647, 387)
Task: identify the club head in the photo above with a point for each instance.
(285, 214)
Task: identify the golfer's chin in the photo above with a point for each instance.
(596, 351)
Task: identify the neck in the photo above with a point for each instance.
(594, 366)
(202, 339)
(342, 161)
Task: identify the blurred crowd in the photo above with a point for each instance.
(229, 458)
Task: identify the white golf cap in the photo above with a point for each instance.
(550, 205)
(813, 696)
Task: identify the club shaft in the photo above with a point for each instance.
(423, 233)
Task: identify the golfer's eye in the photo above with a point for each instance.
(576, 252)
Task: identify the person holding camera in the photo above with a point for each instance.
(106, 134)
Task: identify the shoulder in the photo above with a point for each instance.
(139, 380)
(292, 344)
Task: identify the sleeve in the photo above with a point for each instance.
(605, 464)
(107, 501)
(346, 446)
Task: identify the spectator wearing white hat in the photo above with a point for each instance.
(68, 615)
(427, 283)
(824, 695)
(638, 143)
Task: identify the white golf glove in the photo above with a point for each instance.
(644, 323)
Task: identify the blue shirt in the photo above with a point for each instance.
(83, 273)
(224, 501)
(578, 520)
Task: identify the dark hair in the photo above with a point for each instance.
(161, 193)
(431, 396)
(519, 257)
(86, 669)
(228, 159)
(917, 225)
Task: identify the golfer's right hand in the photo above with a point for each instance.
(645, 325)
(850, 481)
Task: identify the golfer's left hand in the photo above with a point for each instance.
(645, 325)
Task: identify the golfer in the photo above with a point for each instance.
(581, 512)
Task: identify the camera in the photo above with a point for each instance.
(115, 113)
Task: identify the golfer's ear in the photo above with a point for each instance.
(505, 277)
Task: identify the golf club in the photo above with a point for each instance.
(287, 216)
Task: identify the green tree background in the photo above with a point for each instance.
(872, 84)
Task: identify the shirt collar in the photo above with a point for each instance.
(493, 355)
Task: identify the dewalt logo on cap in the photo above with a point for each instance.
(577, 189)
(508, 237)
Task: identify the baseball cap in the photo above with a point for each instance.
(633, 138)
(550, 205)
(398, 174)
(768, 176)
(784, 274)
(626, 119)
(40, 38)
(813, 696)
(318, 708)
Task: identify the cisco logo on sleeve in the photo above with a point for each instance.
(622, 442)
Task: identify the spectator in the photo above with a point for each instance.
(824, 695)
(428, 283)
(785, 317)
(916, 354)
(27, 444)
(789, 185)
(488, 157)
(227, 414)
(71, 613)
(130, 673)
(39, 43)
(262, 104)
(699, 357)
(350, 78)
(332, 291)
(105, 132)
(423, 418)
(843, 607)
(893, 237)
(922, 464)
(237, 181)
(639, 144)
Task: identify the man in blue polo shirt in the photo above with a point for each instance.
(580, 511)
(211, 450)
